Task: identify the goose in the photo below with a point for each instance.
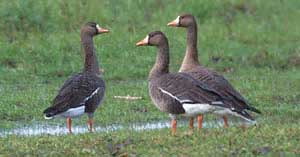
(214, 80)
(83, 92)
(179, 93)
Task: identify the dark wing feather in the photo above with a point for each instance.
(76, 91)
(227, 89)
(220, 84)
(188, 89)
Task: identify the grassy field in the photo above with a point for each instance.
(255, 44)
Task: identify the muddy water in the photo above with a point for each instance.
(42, 129)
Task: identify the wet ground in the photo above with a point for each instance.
(60, 129)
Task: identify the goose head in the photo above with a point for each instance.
(184, 20)
(92, 29)
(155, 38)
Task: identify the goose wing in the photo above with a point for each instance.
(77, 91)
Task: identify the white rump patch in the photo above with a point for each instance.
(47, 117)
(223, 112)
(226, 111)
(78, 111)
(73, 112)
(192, 110)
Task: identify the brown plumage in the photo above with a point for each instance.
(209, 77)
(82, 92)
(177, 93)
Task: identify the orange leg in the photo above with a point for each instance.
(225, 122)
(191, 123)
(200, 121)
(69, 125)
(174, 124)
(90, 124)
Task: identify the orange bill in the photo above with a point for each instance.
(101, 30)
(143, 42)
(174, 23)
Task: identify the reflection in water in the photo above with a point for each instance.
(40, 129)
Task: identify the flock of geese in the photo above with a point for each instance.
(193, 91)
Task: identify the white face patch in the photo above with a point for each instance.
(146, 40)
(177, 20)
(98, 27)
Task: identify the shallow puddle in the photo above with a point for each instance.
(42, 129)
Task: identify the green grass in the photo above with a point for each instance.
(207, 142)
(255, 44)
